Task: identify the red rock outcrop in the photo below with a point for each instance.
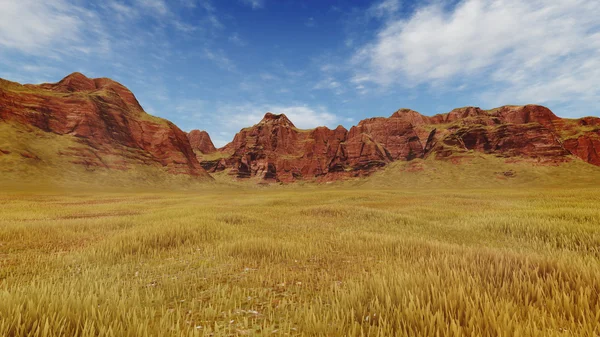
(530, 131)
(585, 145)
(506, 140)
(112, 131)
(396, 136)
(200, 141)
(108, 122)
(275, 149)
(581, 137)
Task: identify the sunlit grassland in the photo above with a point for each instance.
(304, 261)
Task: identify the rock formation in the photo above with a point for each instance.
(106, 120)
(274, 149)
(110, 130)
(201, 142)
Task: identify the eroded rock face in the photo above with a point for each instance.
(112, 131)
(275, 149)
(106, 119)
(200, 141)
(586, 147)
(506, 140)
(397, 137)
(581, 137)
(530, 131)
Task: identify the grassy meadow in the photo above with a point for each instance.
(302, 261)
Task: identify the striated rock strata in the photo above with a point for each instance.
(109, 125)
(274, 149)
(107, 128)
(200, 141)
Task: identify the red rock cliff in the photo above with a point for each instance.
(200, 141)
(106, 118)
(274, 149)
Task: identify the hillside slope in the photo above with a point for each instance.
(90, 128)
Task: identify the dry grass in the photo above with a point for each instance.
(33, 159)
(476, 170)
(301, 262)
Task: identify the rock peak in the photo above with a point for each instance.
(407, 114)
(76, 75)
(79, 82)
(76, 82)
(107, 121)
(527, 114)
(200, 141)
(410, 116)
(404, 111)
(279, 119)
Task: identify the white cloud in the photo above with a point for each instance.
(34, 68)
(231, 118)
(57, 30)
(306, 117)
(534, 51)
(214, 21)
(184, 27)
(122, 10)
(310, 23)
(220, 59)
(168, 16)
(237, 40)
(268, 77)
(255, 4)
(157, 6)
(330, 83)
(240, 116)
(33, 26)
(384, 8)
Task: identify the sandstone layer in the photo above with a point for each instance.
(200, 141)
(111, 129)
(275, 150)
(108, 129)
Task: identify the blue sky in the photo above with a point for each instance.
(219, 65)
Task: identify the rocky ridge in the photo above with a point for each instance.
(107, 121)
(112, 131)
(275, 150)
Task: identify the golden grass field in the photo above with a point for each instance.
(302, 261)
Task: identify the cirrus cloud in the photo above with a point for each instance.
(39, 27)
(255, 4)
